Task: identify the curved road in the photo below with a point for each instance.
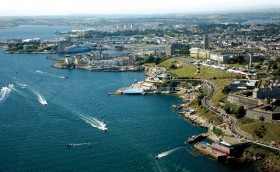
(228, 118)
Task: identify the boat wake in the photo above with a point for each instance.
(93, 122)
(4, 93)
(166, 153)
(41, 99)
(78, 144)
(51, 75)
(21, 85)
(38, 71)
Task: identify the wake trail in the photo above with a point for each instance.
(4, 93)
(38, 71)
(21, 85)
(51, 75)
(12, 87)
(80, 144)
(40, 98)
(92, 121)
(166, 153)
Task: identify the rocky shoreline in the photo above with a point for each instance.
(260, 162)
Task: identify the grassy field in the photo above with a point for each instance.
(272, 133)
(189, 70)
(220, 83)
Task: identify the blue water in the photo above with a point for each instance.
(36, 31)
(34, 137)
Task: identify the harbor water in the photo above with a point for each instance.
(42, 113)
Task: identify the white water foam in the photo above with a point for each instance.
(166, 153)
(80, 144)
(38, 71)
(93, 121)
(4, 93)
(21, 85)
(41, 99)
(51, 75)
(12, 87)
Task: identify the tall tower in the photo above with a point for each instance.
(206, 42)
(197, 69)
(250, 61)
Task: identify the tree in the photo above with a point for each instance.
(173, 66)
(150, 59)
(184, 51)
(157, 60)
(227, 108)
(274, 66)
(240, 59)
(239, 112)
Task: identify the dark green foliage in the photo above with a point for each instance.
(184, 51)
(261, 131)
(218, 131)
(261, 118)
(157, 60)
(226, 90)
(173, 66)
(239, 112)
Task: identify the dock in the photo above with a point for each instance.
(207, 150)
(55, 58)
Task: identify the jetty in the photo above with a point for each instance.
(55, 58)
(179, 106)
(197, 138)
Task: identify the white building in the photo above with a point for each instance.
(219, 57)
(199, 53)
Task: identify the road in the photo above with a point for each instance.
(206, 102)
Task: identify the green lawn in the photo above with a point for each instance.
(272, 133)
(189, 70)
(220, 83)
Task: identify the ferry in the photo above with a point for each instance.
(77, 48)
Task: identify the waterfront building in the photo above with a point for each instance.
(68, 60)
(61, 45)
(77, 48)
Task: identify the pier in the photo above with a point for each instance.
(196, 138)
(55, 58)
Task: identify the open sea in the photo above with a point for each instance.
(34, 137)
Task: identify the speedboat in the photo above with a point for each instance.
(64, 77)
(70, 145)
(156, 157)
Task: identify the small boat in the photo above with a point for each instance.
(64, 77)
(70, 145)
(156, 157)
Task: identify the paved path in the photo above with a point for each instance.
(228, 118)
